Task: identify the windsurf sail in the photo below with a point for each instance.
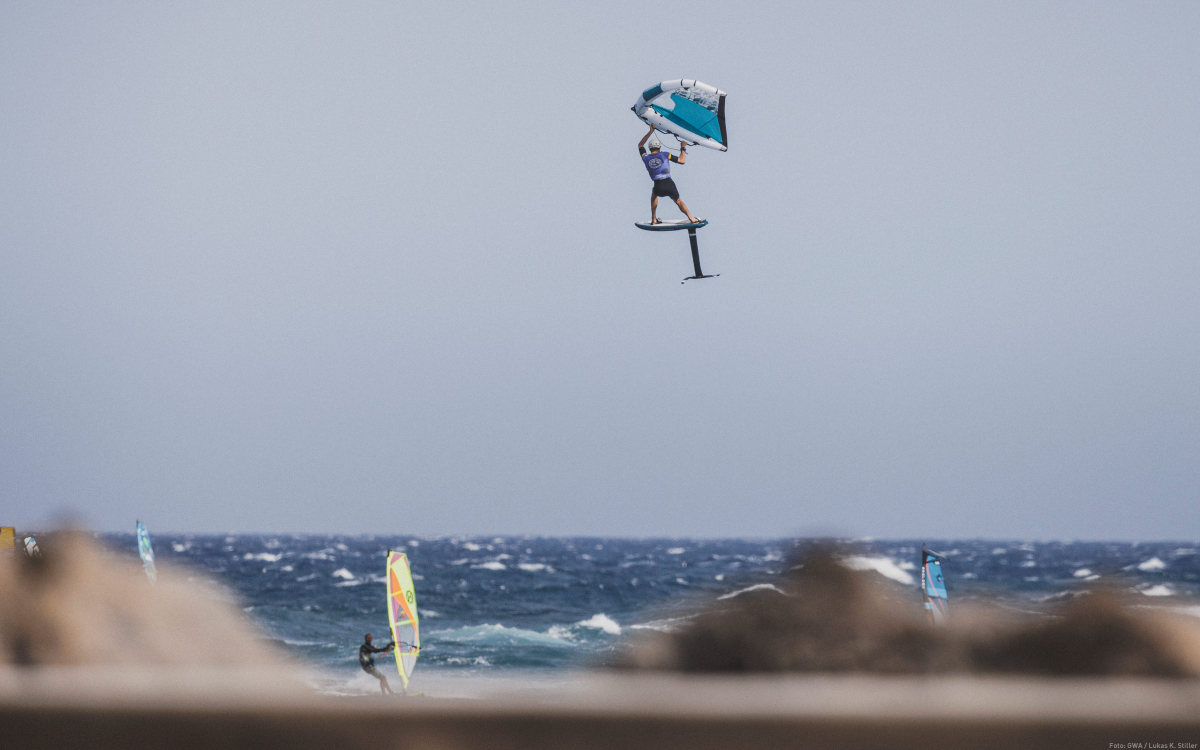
(402, 615)
(146, 551)
(934, 586)
(689, 110)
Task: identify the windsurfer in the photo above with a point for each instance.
(366, 660)
(658, 164)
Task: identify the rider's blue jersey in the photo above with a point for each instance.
(658, 164)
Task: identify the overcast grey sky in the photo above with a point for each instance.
(371, 267)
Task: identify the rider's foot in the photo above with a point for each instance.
(655, 220)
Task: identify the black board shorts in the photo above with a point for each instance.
(665, 188)
(371, 670)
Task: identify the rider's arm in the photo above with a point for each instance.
(645, 138)
(682, 154)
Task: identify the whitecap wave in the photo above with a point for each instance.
(490, 565)
(322, 644)
(1152, 564)
(884, 566)
(342, 573)
(264, 556)
(755, 587)
(535, 567)
(601, 622)
(1057, 595)
(498, 635)
(676, 551)
(1161, 589)
(667, 625)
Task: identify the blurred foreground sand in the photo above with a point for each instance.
(99, 658)
(825, 617)
(76, 604)
(193, 708)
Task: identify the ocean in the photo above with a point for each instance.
(535, 609)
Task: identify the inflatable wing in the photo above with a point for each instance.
(689, 110)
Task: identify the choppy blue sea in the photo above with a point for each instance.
(496, 604)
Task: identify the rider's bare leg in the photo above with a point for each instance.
(684, 208)
(653, 208)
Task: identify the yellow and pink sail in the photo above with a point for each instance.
(402, 614)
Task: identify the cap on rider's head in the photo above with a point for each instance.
(654, 144)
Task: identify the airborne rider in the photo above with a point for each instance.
(658, 164)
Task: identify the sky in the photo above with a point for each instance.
(371, 267)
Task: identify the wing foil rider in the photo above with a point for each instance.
(658, 164)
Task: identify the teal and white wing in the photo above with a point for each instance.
(690, 110)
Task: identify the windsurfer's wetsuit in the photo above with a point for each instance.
(658, 164)
(366, 658)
